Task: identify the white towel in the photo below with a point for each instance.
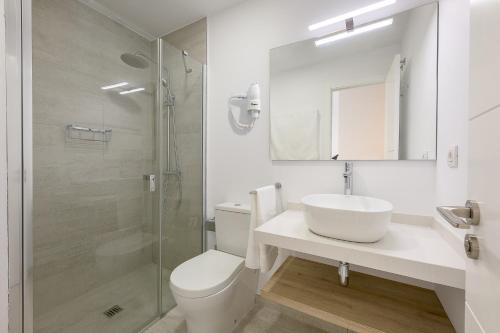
(265, 204)
(296, 135)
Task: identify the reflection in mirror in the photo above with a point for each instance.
(369, 97)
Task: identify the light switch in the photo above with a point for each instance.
(453, 156)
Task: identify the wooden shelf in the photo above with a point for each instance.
(369, 305)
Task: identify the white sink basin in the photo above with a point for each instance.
(347, 217)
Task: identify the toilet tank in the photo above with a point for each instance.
(232, 223)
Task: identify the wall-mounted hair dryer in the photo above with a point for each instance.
(253, 104)
(253, 100)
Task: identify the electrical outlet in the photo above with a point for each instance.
(453, 156)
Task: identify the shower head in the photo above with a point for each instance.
(136, 60)
(185, 54)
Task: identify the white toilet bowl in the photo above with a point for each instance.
(214, 291)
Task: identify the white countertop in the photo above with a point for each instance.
(416, 251)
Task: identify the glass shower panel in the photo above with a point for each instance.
(96, 235)
(182, 135)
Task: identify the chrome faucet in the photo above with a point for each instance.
(348, 178)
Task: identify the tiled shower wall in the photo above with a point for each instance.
(90, 206)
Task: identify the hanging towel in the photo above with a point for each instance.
(297, 135)
(265, 204)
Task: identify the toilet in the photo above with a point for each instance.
(215, 290)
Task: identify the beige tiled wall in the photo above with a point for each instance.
(87, 193)
(192, 38)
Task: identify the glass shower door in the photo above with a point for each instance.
(118, 184)
(96, 218)
(182, 175)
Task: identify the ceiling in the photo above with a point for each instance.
(156, 18)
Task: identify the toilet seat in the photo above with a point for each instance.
(206, 274)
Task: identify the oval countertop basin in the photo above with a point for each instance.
(347, 217)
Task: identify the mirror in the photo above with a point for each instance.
(372, 96)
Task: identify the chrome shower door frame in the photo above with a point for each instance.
(20, 163)
(159, 158)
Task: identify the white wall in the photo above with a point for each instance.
(239, 42)
(4, 278)
(451, 184)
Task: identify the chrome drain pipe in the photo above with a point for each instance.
(344, 273)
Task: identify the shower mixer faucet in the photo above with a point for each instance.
(348, 178)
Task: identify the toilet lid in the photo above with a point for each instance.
(206, 274)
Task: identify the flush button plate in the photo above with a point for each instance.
(471, 246)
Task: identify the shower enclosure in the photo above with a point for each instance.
(117, 169)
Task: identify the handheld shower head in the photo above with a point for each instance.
(185, 54)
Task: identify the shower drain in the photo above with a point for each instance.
(112, 311)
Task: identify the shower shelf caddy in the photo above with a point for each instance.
(88, 134)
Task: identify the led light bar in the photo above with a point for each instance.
(355, 32)
(117, 85)
(354, 13)
(126, 92)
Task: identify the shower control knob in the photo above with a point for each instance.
(151, 179)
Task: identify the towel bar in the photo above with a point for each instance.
(276, 185)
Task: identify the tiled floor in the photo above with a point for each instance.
(137, 295)
(135, 292)
(173, 322)
(262, 319)
(270, 319)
